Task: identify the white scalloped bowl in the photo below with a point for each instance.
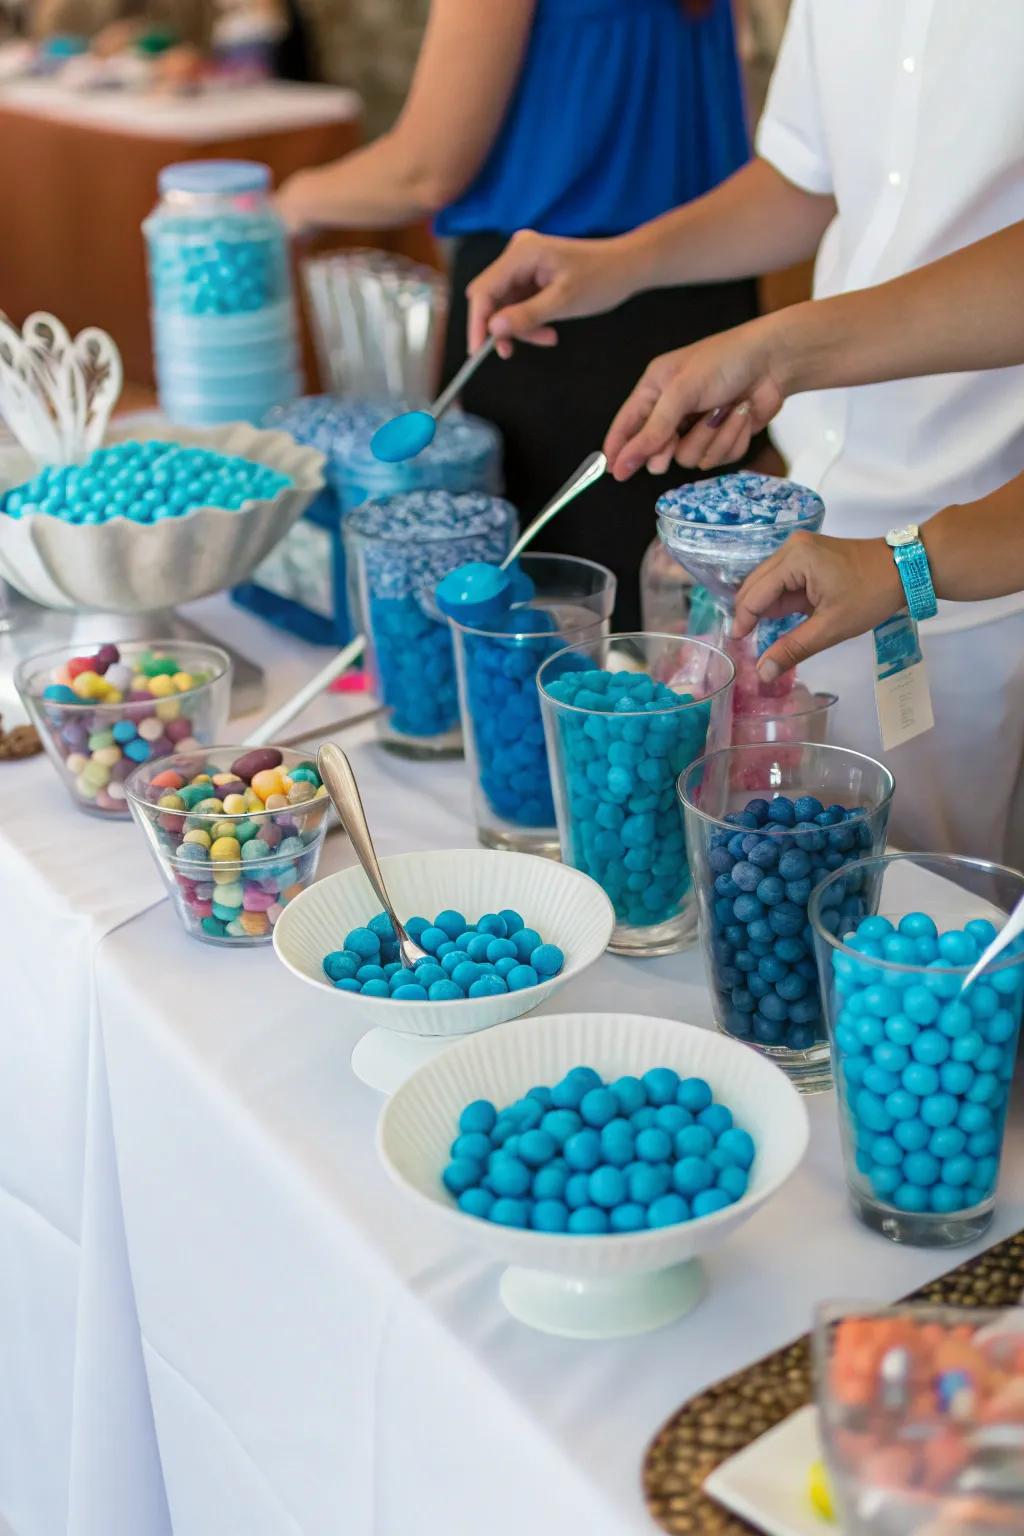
(566, 907)
(592, 1287)
(126, 567)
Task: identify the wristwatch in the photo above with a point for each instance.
(912, 563)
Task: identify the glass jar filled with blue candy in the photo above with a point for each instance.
(765, 824)
(223, 318)
(465, 455)
(623, 717)
(397, 551)
(302, 585)
(572, 600)
(923, 1064)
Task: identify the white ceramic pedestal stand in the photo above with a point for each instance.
(607, 1307)
(384, 1058)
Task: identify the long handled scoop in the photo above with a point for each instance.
(1011, 929)
(477, 593)
(403, 437)
(336, 772)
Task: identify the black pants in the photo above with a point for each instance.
(554, 405)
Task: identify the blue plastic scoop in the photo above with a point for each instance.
(477, 593)
(403, 437)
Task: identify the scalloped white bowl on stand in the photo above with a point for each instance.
(566, 907)
(576, 1286)
(123, 577)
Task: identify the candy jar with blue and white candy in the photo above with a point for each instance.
(720, 531)
(623, 717)
(501, 721)
(764, 825)
(224, 332)
(397, 551)
(923, 1065)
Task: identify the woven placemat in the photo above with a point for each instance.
(730, 1415)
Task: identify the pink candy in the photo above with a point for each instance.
(258, 900)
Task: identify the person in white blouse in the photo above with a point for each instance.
(893, 135)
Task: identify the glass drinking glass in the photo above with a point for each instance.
(802, 716)
(615, 751)
(923, 1071)
(754, 866)
(919, 1416)
(501, 720)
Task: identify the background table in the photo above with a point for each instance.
(78, 174)
(221, 1316)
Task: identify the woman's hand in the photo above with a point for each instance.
(702, 405)
(541, 278)
(299, 200)
(846, 585)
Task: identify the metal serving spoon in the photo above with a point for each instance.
(336, 772)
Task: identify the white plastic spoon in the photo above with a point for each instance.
(1011, 929)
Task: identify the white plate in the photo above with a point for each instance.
(766, 1484)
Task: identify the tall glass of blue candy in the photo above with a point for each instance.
(397, 551)
(501, 720)
(224, 333)
(764, 825)
(923, 1066)
(623, 717)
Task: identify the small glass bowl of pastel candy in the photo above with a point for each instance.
(497, 953)
(590, 1157)
(145, 482)
(924, 1067)
(103, 712)
(237, 834)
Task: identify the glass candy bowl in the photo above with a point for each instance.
(923, 1068)
(231, 873)
(501, 719)
(756, 854)
(623, 717)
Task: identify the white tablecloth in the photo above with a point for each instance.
(66, 881)
(317, 1357)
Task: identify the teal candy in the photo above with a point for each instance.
(711, 1200)
(522, 976)
(91, 492)
(476, 1202)
(589, 1221)
(550, 1216)
(667, 1211)
(942, 1128)
(557, 1174)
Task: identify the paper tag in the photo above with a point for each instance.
(902, 695)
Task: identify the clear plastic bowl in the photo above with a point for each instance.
(257, 888)
(80, 739)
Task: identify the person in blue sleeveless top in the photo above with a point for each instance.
(572, 117)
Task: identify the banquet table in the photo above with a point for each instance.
(261, 1334)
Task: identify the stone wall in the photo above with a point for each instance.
(371, 45)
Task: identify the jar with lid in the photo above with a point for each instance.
(223, 317)
(397, 550)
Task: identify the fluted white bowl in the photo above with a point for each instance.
(600, 1286)
(126, 567)
(566, 907)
